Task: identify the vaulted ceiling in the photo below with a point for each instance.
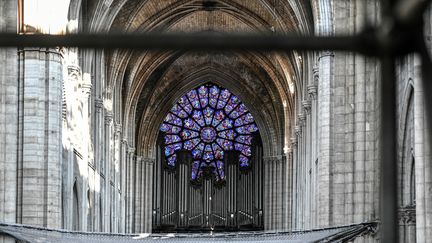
(153, 80)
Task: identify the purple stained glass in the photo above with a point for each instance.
(177, 110)
(208, 134)
(172, 119)
(198, 117)
(208, 121)
(246, 139)
(191, 124)
(226, 124)
(191, 144)
(232, 103)
(228, 134)
(240, 110)
(218, 117)
(188, 134)
(225, 144)
(170, 128)
(171, 139)
(208, 115)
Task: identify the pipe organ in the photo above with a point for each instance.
(181, 204)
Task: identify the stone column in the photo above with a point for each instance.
(130, 197)
(106, 171)
(294, 187)
(39, 143)
(275, 206)
(8, 119)
(325, 138)
(147, 175)
(423, 158)
(138, 194)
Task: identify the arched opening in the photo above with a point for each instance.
(209, 172)
(75, 209)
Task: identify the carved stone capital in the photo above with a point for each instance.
(307, 105)
(294, 141)
(315, 74)
(74, 72)
(301, 119)
(298, 131)
(312, 91)
(108, 119)
(407, 214)
(98, 105)
(86, 89)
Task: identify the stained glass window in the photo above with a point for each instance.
(208, 121)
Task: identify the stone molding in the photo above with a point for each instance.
(301, 118)
(108, 118)
(298, 130)
(307, 106)
(98, 104)
(407, 214)
(312, 91)
(294, 141)
(74, 72)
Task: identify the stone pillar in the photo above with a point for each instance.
(325, 138)
(423, 158)
(275, 206)
(39, 143)
(130, 197)
(106, 171)
(138, 194)
(123, 185)
(147, 175)
(9, 106)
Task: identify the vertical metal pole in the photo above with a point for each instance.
(388, 151)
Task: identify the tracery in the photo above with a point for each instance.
(208, 121)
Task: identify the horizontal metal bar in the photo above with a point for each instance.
(158, 41)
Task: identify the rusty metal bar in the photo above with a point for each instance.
(207, 42)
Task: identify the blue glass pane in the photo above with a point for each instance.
(208, 153)
(223, 98)
(243, 120)
(189, 145)
(188, 134)
(177, 110)
(244, 161)
(193, 97)
(191, 124)
(197, 152)
(225, 144)
(195, 168)
(172, 160)
(208, 115)
(198, 117)
(170, 118)
(248, 129)
(228, 134)
(218, 151)
(170, 128)
(240, 110)
(232, 103)
(226, 124)
(244, 139)
(171, 139)
(219, 116)
(244, 149)
(170, 149)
